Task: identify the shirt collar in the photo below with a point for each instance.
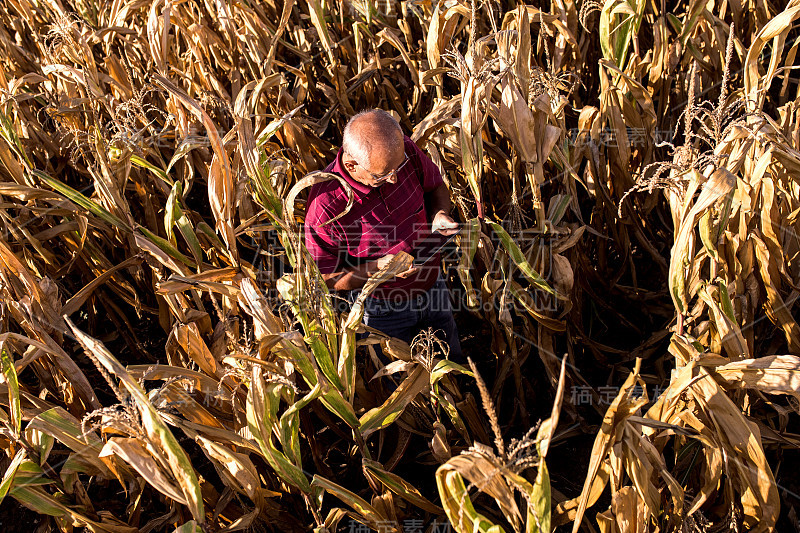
(338, 168)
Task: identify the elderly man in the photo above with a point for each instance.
(399, 198)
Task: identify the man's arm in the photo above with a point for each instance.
(356, 277)
(351, 278)
(438, 203)
(437, 195)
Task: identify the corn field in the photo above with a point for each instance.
(628, 178)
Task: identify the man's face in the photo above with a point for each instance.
(383, 167)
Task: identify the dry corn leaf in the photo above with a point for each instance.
(774, 374)
(156, 431)
(610, 432)
(133, 452)
(382, 416)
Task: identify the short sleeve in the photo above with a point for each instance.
(324, 250)
(431, 177)
(322, 242)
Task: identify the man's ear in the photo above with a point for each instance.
(349, 164)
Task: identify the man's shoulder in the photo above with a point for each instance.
(325, 200)
(408, 143)
(419, 157)
(328, 189)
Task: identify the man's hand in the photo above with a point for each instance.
(444, 224)
(386, 259)
(356, 277)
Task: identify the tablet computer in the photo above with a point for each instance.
(430, 246)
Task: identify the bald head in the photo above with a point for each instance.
(371, 135)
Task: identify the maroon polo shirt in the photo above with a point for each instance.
(384, 220)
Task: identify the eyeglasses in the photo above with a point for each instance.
(383, 177)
